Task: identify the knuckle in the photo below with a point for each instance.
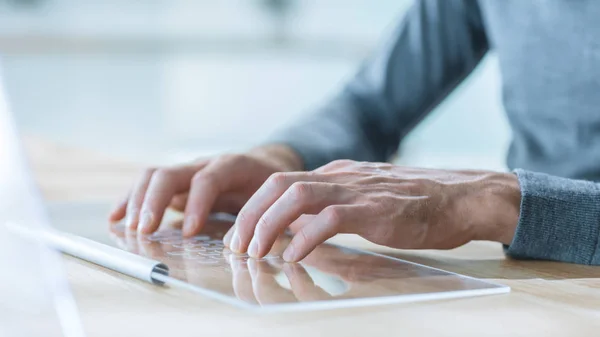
(163, 174)
(232, 159)
(198, 177)
(246, 219)
(333, 216)
(343, 162)
(336, 164)
(302, 237)
(277, 179)
(300, 190)
(263, 223)
(242, 218)
(239, 159)
(207, 180)
(201, 177)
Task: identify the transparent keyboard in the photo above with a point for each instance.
(180, 253)
(328, 274)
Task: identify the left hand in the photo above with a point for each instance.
(395, 206)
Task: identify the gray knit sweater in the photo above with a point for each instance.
(549, 55)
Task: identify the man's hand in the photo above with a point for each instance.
(389, 205)
(222, 184)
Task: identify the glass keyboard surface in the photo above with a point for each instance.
(204, 250)
(331, 276)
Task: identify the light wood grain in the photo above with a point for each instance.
(547, 298)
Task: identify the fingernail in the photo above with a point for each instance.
(190, 224)
(289, 255)
(235, 242)
(146, 221)
(253, 249)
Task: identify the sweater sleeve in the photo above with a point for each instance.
(434, 47)
(559, 220)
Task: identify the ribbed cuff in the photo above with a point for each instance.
(559, 219)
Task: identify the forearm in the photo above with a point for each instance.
(559, 219)
(435, 46)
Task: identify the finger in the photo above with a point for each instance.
(231, 206)
(136, 199)
(279, 245)
(217, 178)
(178, 202)
(302, 221)
(302, 284)
(296, 225)
(265, 287)
(242, 281)
(163, 186)
(332, 220)
(227, 237)
(259, 203)
(284, 239)
(119, 210)
(300, 198)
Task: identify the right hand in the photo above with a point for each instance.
(221, 184)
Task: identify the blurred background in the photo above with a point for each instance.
(169, 80)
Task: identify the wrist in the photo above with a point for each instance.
(283, 157)
(498, 206)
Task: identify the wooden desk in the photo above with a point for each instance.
(547, 298)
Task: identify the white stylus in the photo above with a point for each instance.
(109, 257)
